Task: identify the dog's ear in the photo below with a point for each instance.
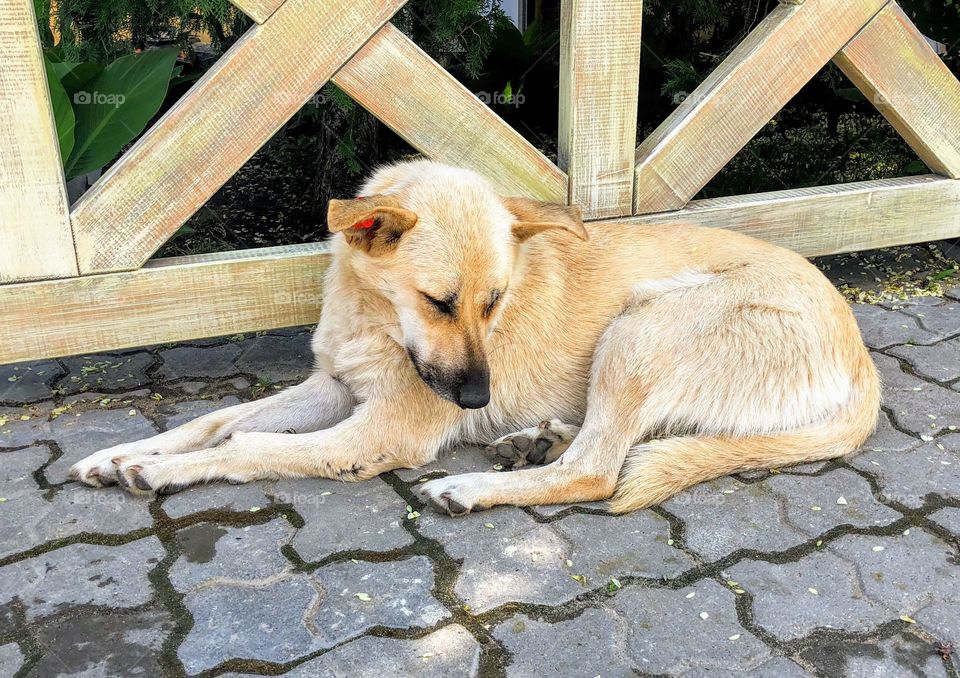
(536, 216)
(373, 225)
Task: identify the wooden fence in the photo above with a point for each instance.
(75, 278)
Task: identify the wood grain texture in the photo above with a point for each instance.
(741, 95)
(898, 71)
(34, 221)
(832, 219)
(599, 84)
(214, 129)
(258, 10)
(402, 86)
(167, 300)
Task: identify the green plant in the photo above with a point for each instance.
(100, 110)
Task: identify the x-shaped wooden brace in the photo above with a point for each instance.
(872, 41)
(300, 44)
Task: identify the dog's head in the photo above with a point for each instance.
(444, 250)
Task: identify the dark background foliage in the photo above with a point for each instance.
(827, 134)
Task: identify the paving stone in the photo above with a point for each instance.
(940, 362)
(913, 574)
(178, 414)
(942, 318)
(400, 597)
(190, 387)
(882, 328)
(899, 655)
(264, 622)
(671, 632)
(275, 358)
(775, 666)
(517, 559)
(913, 401)
(592, 644)
(908, 477)
(300, 330)
(451, 651)
(28, 382)
(101, 644)
(88, 432)
(725, 515)
(190, 361)
(30, 516)
(108, 371)
(290, 617)
(948, 518)
(784, 605)
(11, 659)
(887, 438)
(82, 574)
(217, 496)
(340, 516)
(814, 505)
(463, 459)
(211, 551)
(605, 547)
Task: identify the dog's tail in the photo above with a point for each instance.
(657, 470)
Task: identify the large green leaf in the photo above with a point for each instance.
(62, 111)
(114, 107)
(75, 76)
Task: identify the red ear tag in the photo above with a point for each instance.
(366, 223)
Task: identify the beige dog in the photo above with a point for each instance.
(453, 314)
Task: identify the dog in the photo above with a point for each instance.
(615, 361)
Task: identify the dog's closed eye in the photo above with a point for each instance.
(443, 306)
(495, 297)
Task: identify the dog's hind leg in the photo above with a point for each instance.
(541, 444)
(319, 402)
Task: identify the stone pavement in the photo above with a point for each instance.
(844, 568)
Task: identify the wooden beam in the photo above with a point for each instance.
(832, 219)
(413, 95)
(214, 129)
(741, 96)
(34, 222)
(167, 300)
(258, 10)
(599, 84)
(894, 66)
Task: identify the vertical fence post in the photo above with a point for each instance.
(599, 81)
(34, 212)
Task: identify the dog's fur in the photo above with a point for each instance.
(685, 353)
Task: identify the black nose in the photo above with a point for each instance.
(473, 388)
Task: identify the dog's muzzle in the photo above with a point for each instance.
(469, 389)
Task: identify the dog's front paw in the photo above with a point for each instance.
(453, 495)
(150, 474)
(98, 470)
